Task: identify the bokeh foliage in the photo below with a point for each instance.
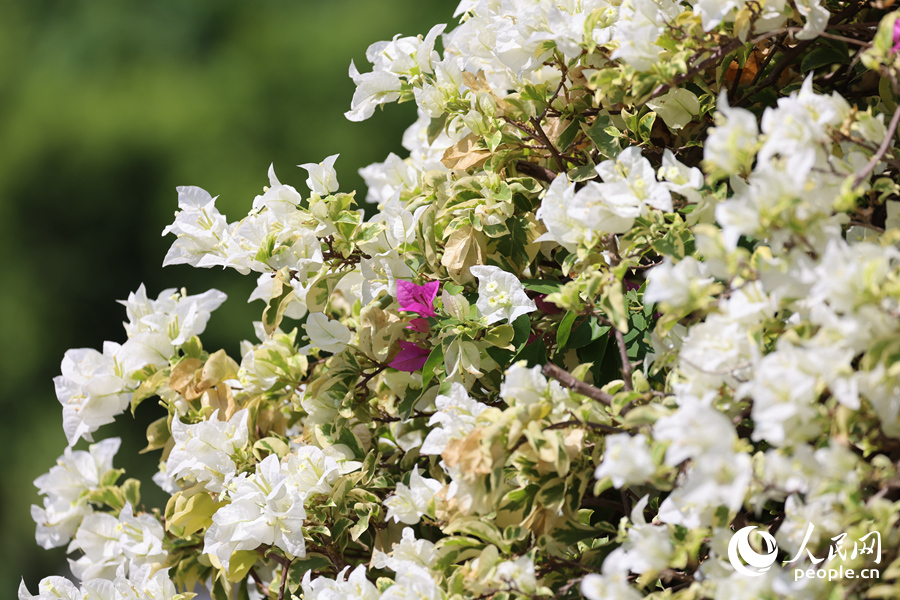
(105, 107)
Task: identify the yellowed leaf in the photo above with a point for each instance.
(463, 249)
(465, 154)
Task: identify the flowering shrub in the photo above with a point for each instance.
(635, 288)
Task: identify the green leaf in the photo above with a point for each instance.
(320, 290)
(645, 126)
(131, 489)
(313, 561)
(271, 445)
(612, 301)
(501, 336)
(412, 396)
(479, 528)
(822, 56)
(157, 434)
(534, 353)
(148, 388)
(522, 327)
(435, 358)
(595, 352)
(541, 285)
(452, 288)
(568, 135)
(513, 245)
(282, 294)
(435, 127)
(192, 513)
(606, 143)
(583, 173)
(219, 592)
(240, 564)
(192, 348)
(565, 328)
(110, 496)
(586, 332)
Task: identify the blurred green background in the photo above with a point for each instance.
(105, 107)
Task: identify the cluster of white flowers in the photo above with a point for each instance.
(142, 583)
(109, 543)
(95, 386)
(65, 488)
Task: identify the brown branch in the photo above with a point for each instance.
(568, 380)
(536, 123)
(588, 424)
(284, 578)
(882, 149)
(537, 171)
(263, 588)
(626, 362)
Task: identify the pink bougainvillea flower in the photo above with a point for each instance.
(420, 325)
(411, 358)
(417, 298)
(896, 36)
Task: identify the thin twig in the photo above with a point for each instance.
(284, 578)
(263, 588)
(626, 362)
(588, 424)
(536, 123)
(568, 380)
(535, 170)
(882, 149)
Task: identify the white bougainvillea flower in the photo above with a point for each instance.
(563, 227)
(413, 583)
(626, 460)
(500, 295)
(677, 107)
(173, 313)
(410, 503)
(455, 418)
(279, 198)
(322, 176)
(677, 284)
(51, 588)
(312, 470)
(204, 450)
(372, 89)
(327, 334)
(98, 537)
(141, 537)
(355, 587)
(266, 508)
(63, 487)
(95, 387)
(144, 582)
(608, 586)
(409, 551)
(733, 142)
(203, 236)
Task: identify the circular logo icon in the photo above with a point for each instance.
(740, 552)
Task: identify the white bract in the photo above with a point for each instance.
(64, 487)
(266, 508)
(410, 503)
(500, 295)
(204, 451)
(322, 176)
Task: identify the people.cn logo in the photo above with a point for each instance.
(745, 559)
